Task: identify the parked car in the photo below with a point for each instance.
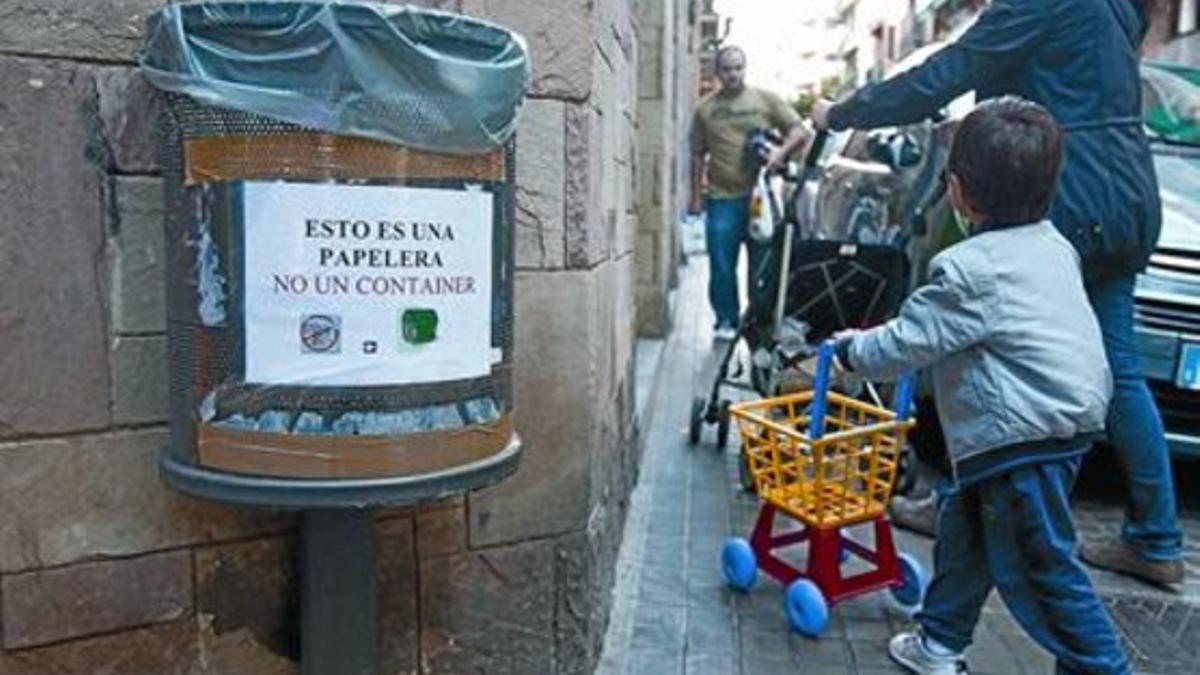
(885, 185)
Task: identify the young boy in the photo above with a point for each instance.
(1022, 387)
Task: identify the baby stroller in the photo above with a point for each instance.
(804, 291)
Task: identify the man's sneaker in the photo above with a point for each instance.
(1117, 556)
(917, 515)
(909, 650)
(725, 334)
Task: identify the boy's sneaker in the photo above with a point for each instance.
(909, 650)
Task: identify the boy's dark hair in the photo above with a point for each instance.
(1007, 154)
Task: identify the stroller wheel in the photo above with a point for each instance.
(696, 421)
(723, 425)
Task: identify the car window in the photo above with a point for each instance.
(1171, 102)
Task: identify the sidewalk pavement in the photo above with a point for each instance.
(674, 615)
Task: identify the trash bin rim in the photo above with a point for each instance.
(304, 493)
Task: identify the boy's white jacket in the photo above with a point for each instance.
(1014, 346)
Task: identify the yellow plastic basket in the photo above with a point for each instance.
(843, 478)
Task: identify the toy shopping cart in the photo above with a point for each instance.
(827, 462)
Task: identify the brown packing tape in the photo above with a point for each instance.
(312, 456)
(313, 155)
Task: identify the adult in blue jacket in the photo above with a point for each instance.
(1078, 59)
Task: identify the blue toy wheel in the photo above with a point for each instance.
(914, 580)
(739, 564)
(806, 609)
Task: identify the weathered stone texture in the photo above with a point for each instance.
(559, 36)
(129, 109)
(442, 532)
(251, 588)
(54, 364)
(103, 597)
(541, 162)
(558, 342)
(105, 30)
(489, 611)
(396, 561)
(63, 501)
(139, 366)
(583, 216)
(612, 395)
(136, 255)
(109, 30)
(165, 649)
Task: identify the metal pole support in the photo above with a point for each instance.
(339, 624)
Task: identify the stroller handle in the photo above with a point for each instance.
(815, 148)
(901, 405)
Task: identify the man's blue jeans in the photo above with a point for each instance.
(1013, 532)
(725, 229)
(1135, 429)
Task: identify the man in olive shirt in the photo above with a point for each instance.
(720, 126)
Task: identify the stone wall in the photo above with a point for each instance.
(103, 569)
(667, 86)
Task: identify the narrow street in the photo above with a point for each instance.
(674, 614)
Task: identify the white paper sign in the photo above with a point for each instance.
(358, 285)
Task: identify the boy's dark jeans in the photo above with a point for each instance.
(1013, 532)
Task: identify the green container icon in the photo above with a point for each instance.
(419, 326)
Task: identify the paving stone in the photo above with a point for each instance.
(709, 664)
(868, 652)
(644, 660)
(826, 650)
(709, 591)
(658, 627)
(868, 629)
(710, 632)
(764, 662)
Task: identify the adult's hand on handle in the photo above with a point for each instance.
(820, 114)
(695, 205)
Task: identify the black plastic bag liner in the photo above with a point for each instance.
(425, 79)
